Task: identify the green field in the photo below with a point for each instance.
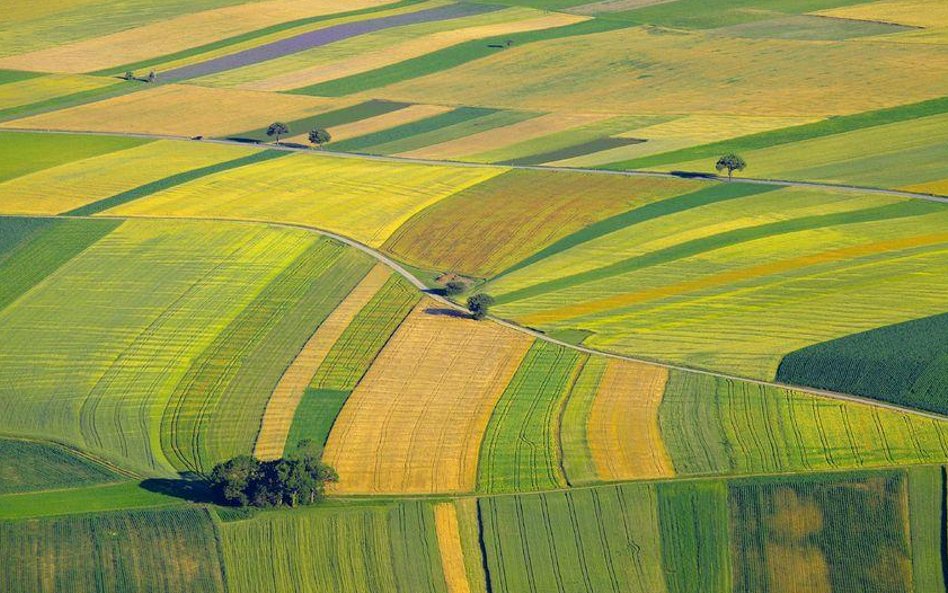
(26, 466)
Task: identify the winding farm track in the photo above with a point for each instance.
(415, 281)
(395, 159)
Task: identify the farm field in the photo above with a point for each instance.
(474, 296)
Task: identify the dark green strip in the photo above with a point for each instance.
(44, 252)
(194, 51)
(703, 197)
(15, 230)
(72, 100)
(726, 239)
(447, 58)
(314, 416)
(423, 126)
(8, 76)
(329, 119)
(597, 145)
(828, 127)
(177, 179)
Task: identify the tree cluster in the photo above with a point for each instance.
(479, 304)
(299, 479)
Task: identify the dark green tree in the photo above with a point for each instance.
(479, 304)
(319, 136)
(231, 480)
(152, 77)
(129, 75)
(454, 288)
(278, 129)
(731, 162)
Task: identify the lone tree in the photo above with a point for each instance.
(277, 129)
(300, 478)
(152, 77)
(129, 75)
(479, 304)
(731, 162)
(319, 136)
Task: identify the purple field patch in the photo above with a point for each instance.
(305, 41)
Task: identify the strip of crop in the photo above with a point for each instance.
(447, 58)
(216, 409)
(376, 140)
(66, 101)
(519, 451)
(171, 181)
(329, 119)
(694, 533)
(28, 466)
(578, 464)
(835, 125)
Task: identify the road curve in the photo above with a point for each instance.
(417, 283)
(395, 159)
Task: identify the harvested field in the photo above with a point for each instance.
(624, 435)
(520, 450)
(493, 225)
(415, 423)
(449, 544)
(171, 109)
(281, 407)
(365, 200)
(74, 184)
(914, 13)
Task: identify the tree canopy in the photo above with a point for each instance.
(319, 136)
(278, 129)
(731, 162)
(479, 304)
(300, 478)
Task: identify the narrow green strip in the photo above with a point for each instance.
(72, 100)
(45, 251)
(329, 119)
(194, 51)
(168, 182)
(447, 58)
(429, 124)
(89, 499)
(722, 240)
(314, 417)
(576, 150)
(828, 127)
(8, 76)
(702, 197)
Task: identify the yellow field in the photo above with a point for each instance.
(682, 132)
(635, 71)
(363, 199)
(623, 432)
(171, 35)
(449, 544)
(379, 122)
(181, 110)
(914, 13)
(415, 422)
(933, 187)
(63, 188)
(305, 75)
(42, 88)
(278, 417)
(501, 137)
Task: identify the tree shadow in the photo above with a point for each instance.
(192, 490)
(693, 175)
(446, 312)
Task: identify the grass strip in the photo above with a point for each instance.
(168, 182)
(249, 36)
(702, 197)
(424, 126)
(597, 145)
(88, 499)
(337, 117)
(722, 240)
(447, 58)
(491, 121)
(827, 127)
(8, 76)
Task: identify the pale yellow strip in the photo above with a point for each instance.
(380, 122)
(449, 543)
(404, 51)
(623, 431)
(505, 136)
(416, 421)
(278, 417)
(916, 13)
(175, 34)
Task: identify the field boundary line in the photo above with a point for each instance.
(419, 161)
(400, 269)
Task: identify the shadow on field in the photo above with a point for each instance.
(693, 175)
(192, 490)
(445, 312)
